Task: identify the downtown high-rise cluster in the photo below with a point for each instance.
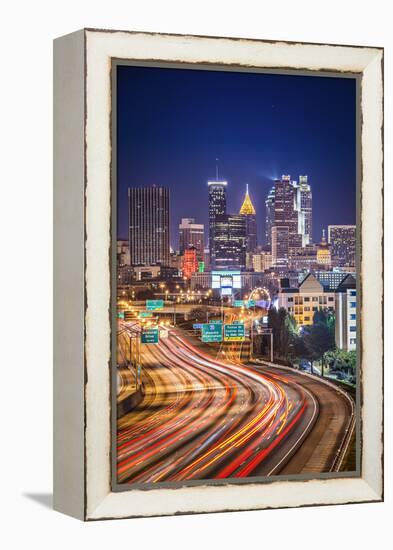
(232, 237)
(304, 273)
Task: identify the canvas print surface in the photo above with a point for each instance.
(235, 275)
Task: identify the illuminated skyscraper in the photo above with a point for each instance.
(285, 216)
(217, 207)
(303, 201)
(324, 257)
(229, 245)
(248, 211)
(148, 209)
(190, 262)
(342, 239)
(192, 234)
(280, 246)
(269, 220)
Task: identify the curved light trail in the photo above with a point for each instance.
(203, 418)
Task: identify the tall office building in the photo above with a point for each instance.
(262, 261)
(217, 207)
(229, 246)
(248, 211)
(269, 220)
(346, 316)
(342, 239)
(148, 213)
(122, 252)
(192, 234)
(324, 257)
(303, 200)
(285, 216)
(280, 246)
(190, 262)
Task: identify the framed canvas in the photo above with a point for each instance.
(218, 266)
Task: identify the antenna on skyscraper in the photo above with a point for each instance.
(216, 169)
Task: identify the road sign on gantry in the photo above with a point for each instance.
(154, 305)
(145, 314)
(234, 332)
(211, 332)
(150, 336)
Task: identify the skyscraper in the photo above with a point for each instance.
(346, 315)
(229, 246)
(248, 211)
(280, 246)
(217, 207)
(190, 262)
(123, 252)
(342, 239)
(269, 220)
(324, 257)
(304, 208)
(148, 214)
(192, 234)
(285, 216)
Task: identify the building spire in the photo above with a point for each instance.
(323, 240)
(216, 169)
(247, 206)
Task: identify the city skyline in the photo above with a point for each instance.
(186, 167)
(207, 159)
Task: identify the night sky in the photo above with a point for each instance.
(174, 123)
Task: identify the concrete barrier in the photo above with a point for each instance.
(129, 403)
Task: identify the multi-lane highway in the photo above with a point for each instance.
(202, 418)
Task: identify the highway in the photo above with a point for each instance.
(203, 418)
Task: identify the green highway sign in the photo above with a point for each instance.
(120, 314)
(150, 336)
(154, 305)
(216, 321)
(212, 332)
(244, 303)
(234, 332)
(144, 314)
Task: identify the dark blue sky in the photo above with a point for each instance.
(174, 123)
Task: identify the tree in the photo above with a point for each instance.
(284, 331)
(341, 360)
(297, 348)
(318, 340)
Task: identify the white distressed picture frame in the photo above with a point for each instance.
(82, 250)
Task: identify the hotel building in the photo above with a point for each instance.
(304, 301)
